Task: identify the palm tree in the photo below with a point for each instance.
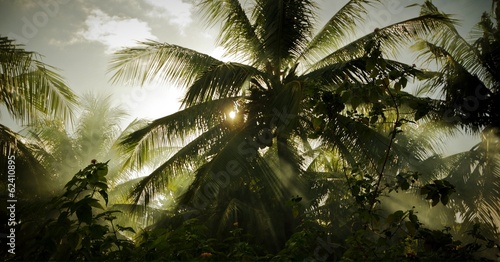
(29, 90)
(244, 125)
(63, 153)
(469, 85)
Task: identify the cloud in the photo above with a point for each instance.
(115, 32)
(177, 12)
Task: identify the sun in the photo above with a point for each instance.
(232, 114)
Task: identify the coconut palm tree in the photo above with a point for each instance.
(245, 124)
(94, 137)
(29, 90)
(469, 87)
(62, 151)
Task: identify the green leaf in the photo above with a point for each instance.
(104, 195)
(370, 64)
(403, 81)
(413, 218)
(317, 123)
(397, 86)
(96, 204)
(98, 231)
(395, 217)
(31, 89)
(107, 213)
(68, 204)
(92, 202)
(427, 189)
(84, 214)
(411, 227)
(435, 199)
(63, 218)
(398, 215)
(355, 190)
(356, 101)
(92, 177)
(394, 74)
(445, 199)
(448, 184)
(73, 181)
(314, 135)
(124, 229)
(101, 185)
(345, 96)
(74, 240)
(405, 185)
(102, 171)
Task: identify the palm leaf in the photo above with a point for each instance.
(183, 161)
(167, 130)
(15, 153)
(237, 35)
(336, 30)
(284, 28)
(219, 81)
(154, 62)
(29, 88)
(475, 174)
(391, 38)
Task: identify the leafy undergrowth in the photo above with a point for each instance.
(80, 227)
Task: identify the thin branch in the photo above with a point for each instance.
(393, 136)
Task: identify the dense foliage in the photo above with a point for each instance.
(78, 226)
(306, 149)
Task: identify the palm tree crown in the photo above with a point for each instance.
(30, 90)
(289, 87)
(468, 82)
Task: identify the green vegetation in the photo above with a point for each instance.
(307, 148)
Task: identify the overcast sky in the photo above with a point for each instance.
(79, 36)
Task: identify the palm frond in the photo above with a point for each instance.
(183, 161)
(154, 62)
(237, 35)
(475, 174)
(240, 162)
(336, 30)
(139, 216)
(52, 144)
(452, 50)
(487, 39)
(359, 143)
(98, 126)
(456, 84)
(391, 38)
(454, 44)
(284, 28)
(219, 81)
(175, 127)
(14, 152)
(337, 73)
(29, 88)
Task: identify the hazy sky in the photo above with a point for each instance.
(79, 36)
